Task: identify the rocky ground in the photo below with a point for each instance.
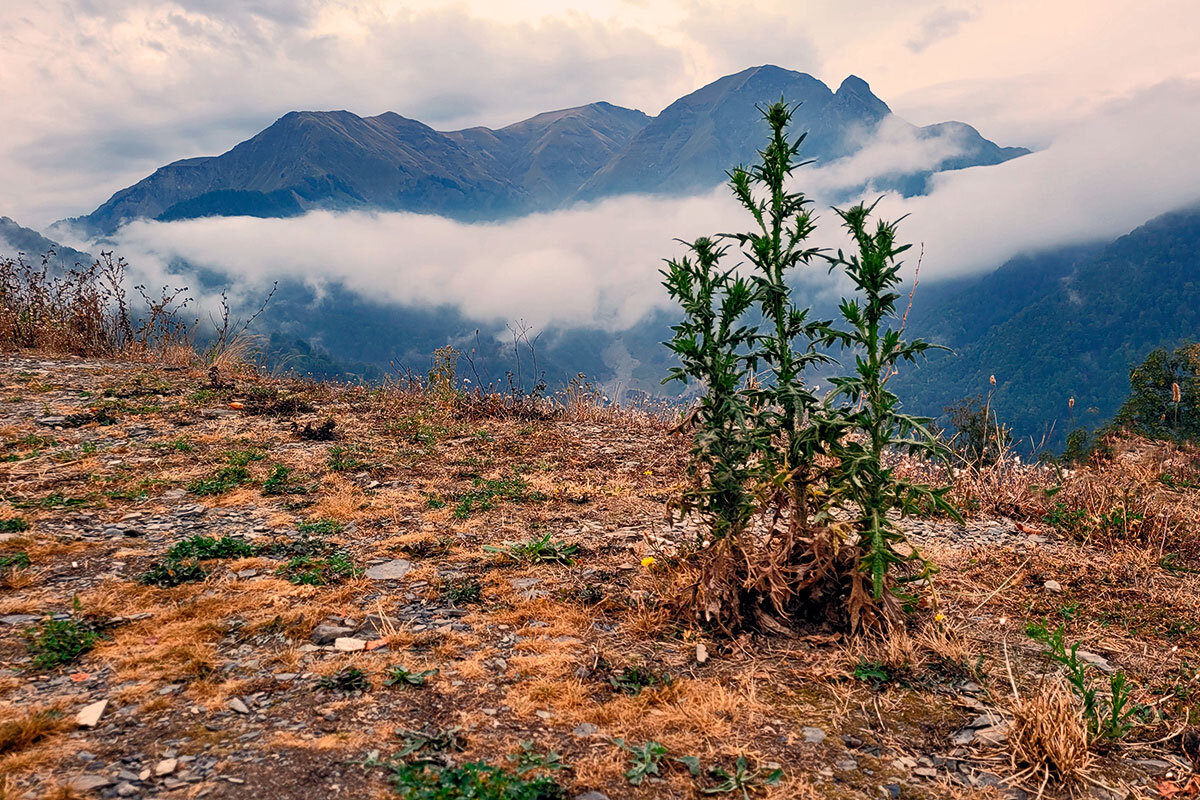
(360, 620)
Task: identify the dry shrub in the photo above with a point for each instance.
(84, 311)
(28, 729)
(1048, 737)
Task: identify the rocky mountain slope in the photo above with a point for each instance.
(211, 591)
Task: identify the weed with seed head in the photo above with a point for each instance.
(534, 551)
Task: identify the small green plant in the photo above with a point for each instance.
(433, 501)
(533, 551)
(207, 547)
(170, 572)
(346, 680)
(241, 458)
(431, 741)
(280, 481)
(530, 760)
(1109, 719)
(12, 562)
(1066, 520)
(632, 680)
(399, 676)
(871, 672)
(462, 590)
(223, 480)
(470, 781)
(55, 642)
(344, 459)
(13, 525)
(742, 779)
(644, 761)
(485, 492)
(320, 527)
(331, 569)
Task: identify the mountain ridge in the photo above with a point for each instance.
(339, 160)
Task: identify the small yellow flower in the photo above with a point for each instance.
(648, 472)
(648, 561)
(938, 617)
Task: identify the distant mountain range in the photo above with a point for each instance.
(336, 159)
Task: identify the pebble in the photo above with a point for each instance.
(701, 653)
(89, 782)
(326, 634)
(347, 644)
(166, 766)
(89, 715)
(1053, 586)
(390, 570)
(591, 796)
(237, 705)
(813, 735)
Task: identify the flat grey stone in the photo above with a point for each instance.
(237, 705)
(584, 729)
(814, 735)
(327, 634)
(392, 570)
(591, 796)
(89, 715)
(19, 619)
(88, 782)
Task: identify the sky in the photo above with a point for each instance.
(98, 93)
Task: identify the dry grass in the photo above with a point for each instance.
(1048, 738)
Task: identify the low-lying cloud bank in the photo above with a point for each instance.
(597, 265)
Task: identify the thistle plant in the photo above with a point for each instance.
(797, 424)
(766, 449)
(863, 483)
(713, 347)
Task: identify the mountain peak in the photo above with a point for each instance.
(855, 91)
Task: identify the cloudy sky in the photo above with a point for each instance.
(98, 93)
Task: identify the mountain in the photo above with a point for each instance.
(1061, 325)
(336, 159)
(15, 239)
(691, 144)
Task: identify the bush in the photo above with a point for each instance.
(1164, 400)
